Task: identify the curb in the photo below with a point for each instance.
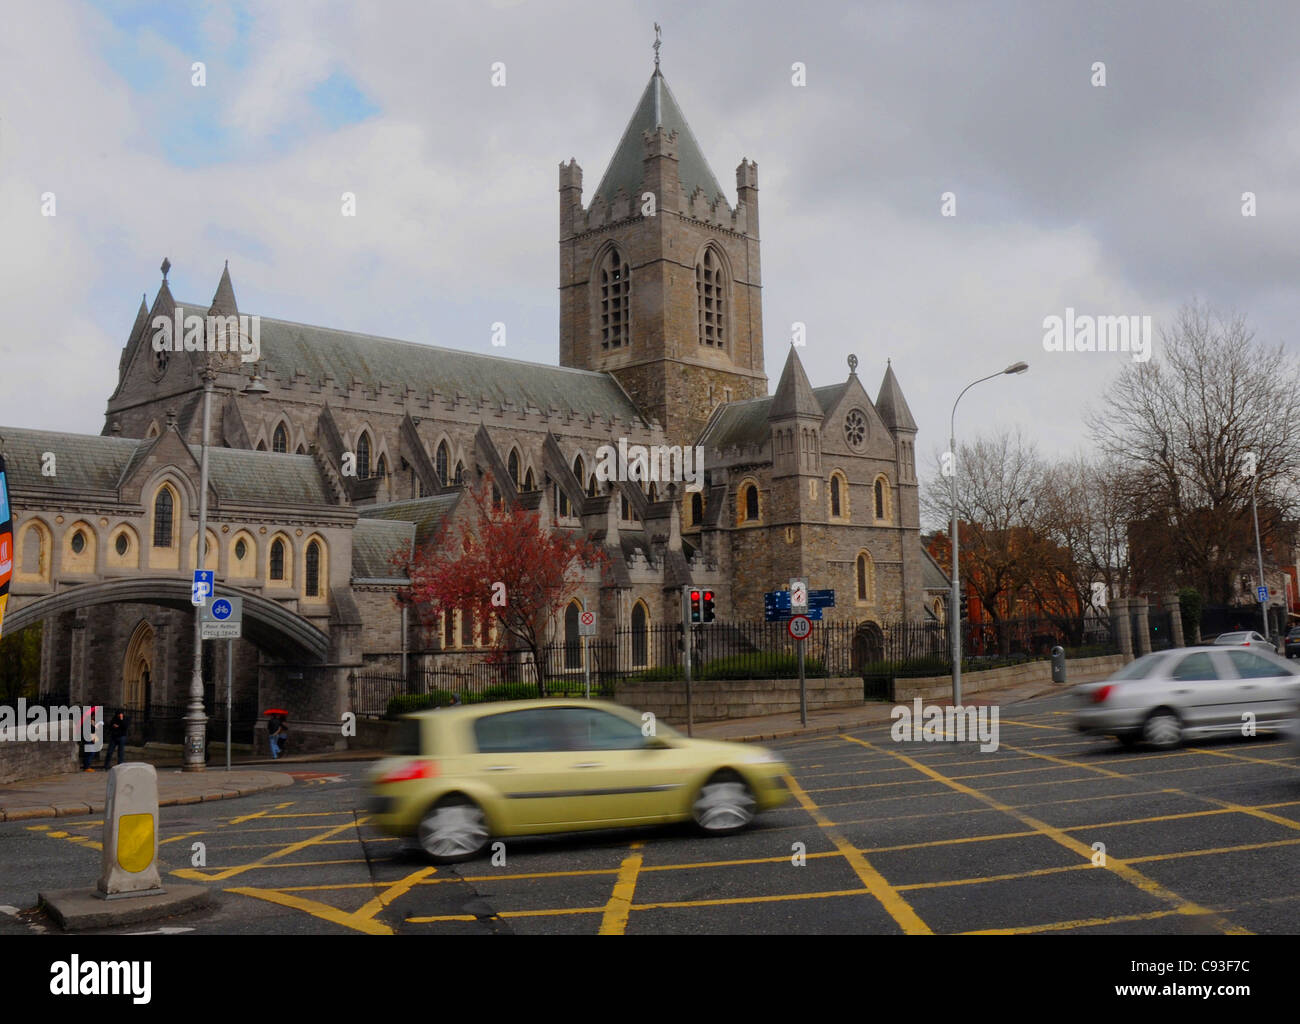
(72, 809)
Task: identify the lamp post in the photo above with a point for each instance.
(196, 719)
(954, 603)
(1259, 553)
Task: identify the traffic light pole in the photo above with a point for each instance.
(687, 638)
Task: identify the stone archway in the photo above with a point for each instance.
(868, 645)
(137, 668)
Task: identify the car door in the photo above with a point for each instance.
(1202, 689)
(623, 777)
(1262, 687)
(524, 757)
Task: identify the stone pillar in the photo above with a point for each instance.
(1122, 626)
(77, 666)
(1142, 642)
(1174, 607)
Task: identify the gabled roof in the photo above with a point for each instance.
(657, 106)
(289, 348)
(932, 575)
(83, 462)
(738, 424)
(374, 542)
(426, 514)
(891, 405)
(264, 477)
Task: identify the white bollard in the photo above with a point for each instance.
(131, 833)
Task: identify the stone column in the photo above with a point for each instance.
(1122, 626)
(1142, 642)
(1172, 603)
(77, 667)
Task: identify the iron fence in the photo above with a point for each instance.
(720, 651)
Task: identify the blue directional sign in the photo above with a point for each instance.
(821, 599)
(777, 599)
(783, 615)
(202, 587)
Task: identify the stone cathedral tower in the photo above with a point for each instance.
(659, 274)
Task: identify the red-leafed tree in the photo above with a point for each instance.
(501, 564)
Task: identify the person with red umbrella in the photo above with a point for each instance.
(276, 731)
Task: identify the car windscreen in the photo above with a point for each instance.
(1231, 638)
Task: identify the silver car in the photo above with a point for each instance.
(1245, 638)
(1163, 698)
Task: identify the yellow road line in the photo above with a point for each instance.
(221, 876)
(894, 904)
(1214, 852)
(1012, 876)
(1091, 922)
(372, 907)
(323, 911)
(1113, 864)
(614, 921)
(259, 814)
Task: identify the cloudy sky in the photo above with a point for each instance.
(1117, 200)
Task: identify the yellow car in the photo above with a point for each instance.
(462, 775)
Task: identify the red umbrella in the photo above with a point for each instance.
(275, 711)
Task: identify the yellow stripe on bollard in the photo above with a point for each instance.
(135, 843)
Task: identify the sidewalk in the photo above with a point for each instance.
(80, 793)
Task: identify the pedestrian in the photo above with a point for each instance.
(278, 733)
(90, 744)
(116, 739)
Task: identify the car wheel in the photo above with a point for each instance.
(724, 804)
(1163, 730)
(454, 829)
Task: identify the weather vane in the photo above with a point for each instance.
(658, 43)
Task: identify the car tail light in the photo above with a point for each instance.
(413, 770)
(1100, 694)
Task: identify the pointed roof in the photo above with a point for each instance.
(224, 301)
(794, 395)
(891, 404)
(657, 107)
(141, 318)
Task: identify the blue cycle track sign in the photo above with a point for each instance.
(221, 609)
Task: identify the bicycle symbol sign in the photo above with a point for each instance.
(221, 609)
(800, 627)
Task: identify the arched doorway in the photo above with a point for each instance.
(137, 668)
(868, 646)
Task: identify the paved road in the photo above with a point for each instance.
(895, 838)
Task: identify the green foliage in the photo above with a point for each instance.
(508, 691)
(20, 663)
(405, 703)
(1190, 606)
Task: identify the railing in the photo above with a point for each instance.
(720, 651)
(165, 723)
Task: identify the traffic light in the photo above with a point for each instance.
(695, 607)
(965, 607)
(708, 607)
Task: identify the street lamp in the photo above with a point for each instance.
(196, 719)
(954, 604)
(1259, 553)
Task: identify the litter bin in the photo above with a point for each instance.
(1058, 664)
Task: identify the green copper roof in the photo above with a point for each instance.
(82, 462)
(657, 107)
(426, 513)
(374, 542)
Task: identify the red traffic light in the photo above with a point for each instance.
(708, 595)
(695, 595)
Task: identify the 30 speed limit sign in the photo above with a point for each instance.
(800, 627)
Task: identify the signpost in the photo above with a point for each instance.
(586, 628)
(687, 639)
(800, 628)
(223, 618)
(6, 542)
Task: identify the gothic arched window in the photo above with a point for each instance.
(442, 462)
(277, 560)
(614, 280)
(835, 496)
(162, 519)
(697, 508)
(280, 440)
(363, 456)
(313, 569)
(710, 293)
(514, 467)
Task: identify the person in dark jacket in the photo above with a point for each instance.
(116, 739)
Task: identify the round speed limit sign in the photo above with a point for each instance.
(800, 627)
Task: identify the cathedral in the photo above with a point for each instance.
(334, 450)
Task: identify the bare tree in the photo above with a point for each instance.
(1211, 403)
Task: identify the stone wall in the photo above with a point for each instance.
(715, 700)
(1077, 670)
(36, 759)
